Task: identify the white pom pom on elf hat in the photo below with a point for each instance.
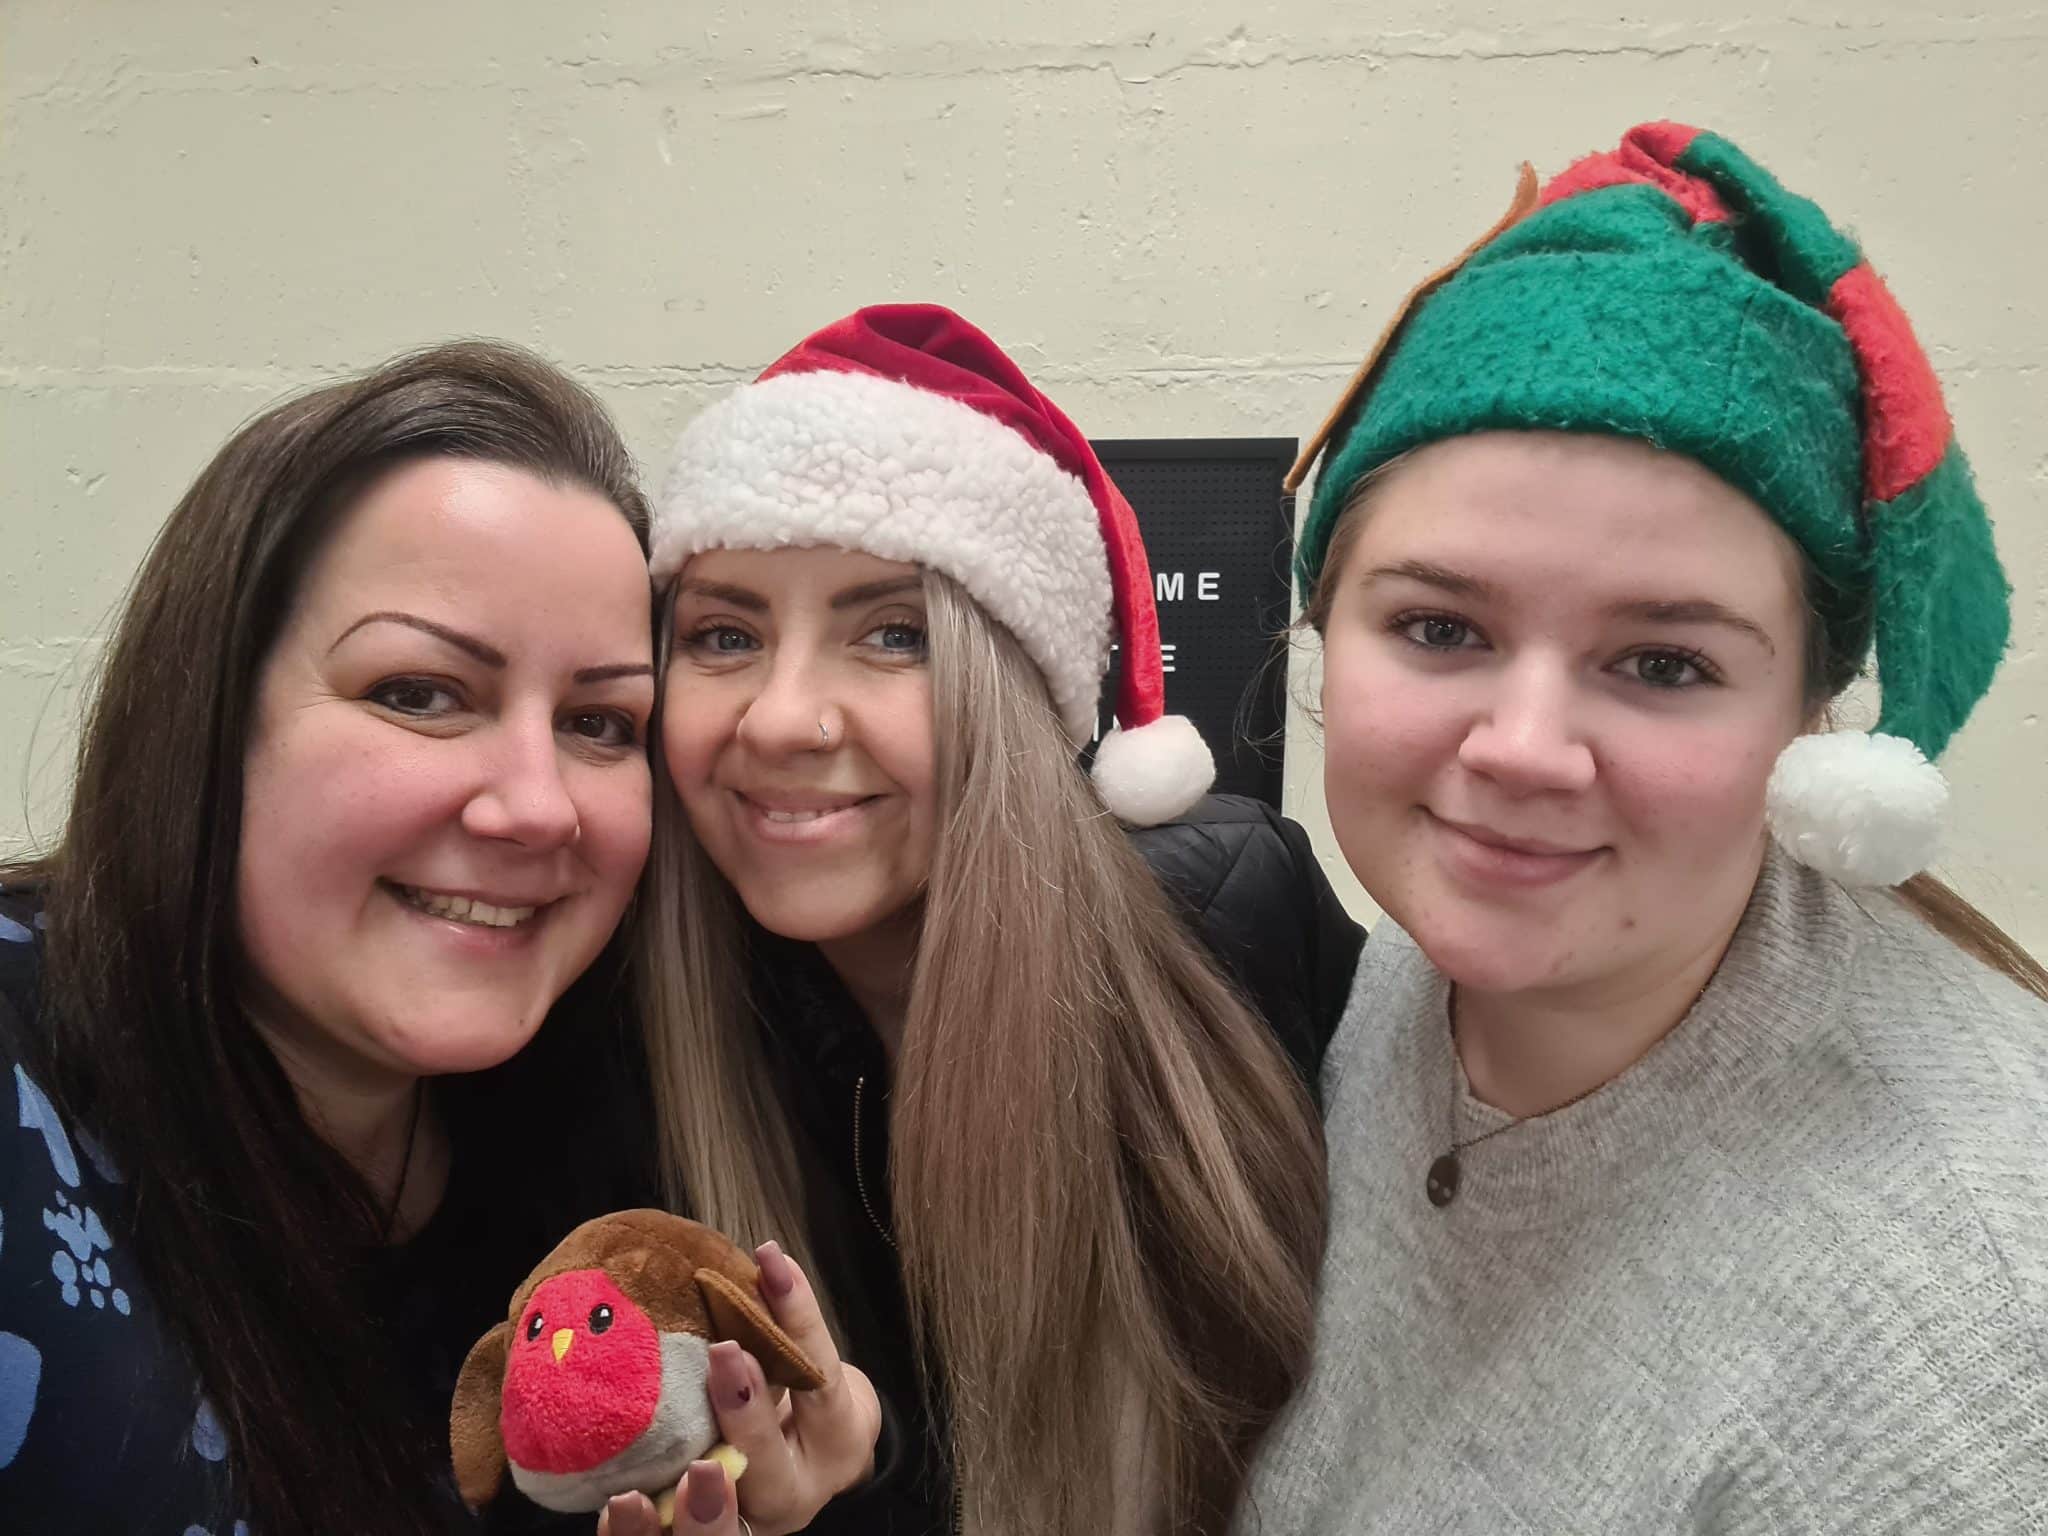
(905, 432)
(1865, 809)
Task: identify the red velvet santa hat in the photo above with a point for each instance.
(905, 432)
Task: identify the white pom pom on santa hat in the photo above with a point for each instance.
(1865, 809)
(1154, 772)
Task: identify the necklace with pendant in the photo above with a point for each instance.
(1445, 1173)
(1441, 1185)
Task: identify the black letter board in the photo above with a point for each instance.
(1220, 534)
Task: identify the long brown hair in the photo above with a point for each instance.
(141, 1035)
(1827, 673)
(1144, 1190)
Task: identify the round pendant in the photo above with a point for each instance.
(1442, 1183)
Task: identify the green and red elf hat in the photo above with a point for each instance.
(906, 432)
(1672, 291)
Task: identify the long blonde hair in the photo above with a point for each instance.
(1113, 1276)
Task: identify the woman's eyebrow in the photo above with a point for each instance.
(489, 655)
(1443, 577)
(872, 591)
(616, 669)
(1695, 610)
(723, 592)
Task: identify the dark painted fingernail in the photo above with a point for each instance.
(776, 1276)
(732, 1395)
(704, 1491)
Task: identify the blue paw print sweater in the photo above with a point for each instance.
(103, 1424)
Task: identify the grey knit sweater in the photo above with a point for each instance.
(1789, 1273)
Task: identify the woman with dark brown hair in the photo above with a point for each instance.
(308, 1016)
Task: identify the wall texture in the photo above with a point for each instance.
(1185, 217)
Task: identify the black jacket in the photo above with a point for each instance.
(1252, 892)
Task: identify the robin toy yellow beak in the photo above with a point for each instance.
(563, 1338)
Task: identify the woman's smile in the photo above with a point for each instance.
(805, 820)
(1480, 855)
(471, 924)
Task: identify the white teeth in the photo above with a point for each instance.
(794, 815)
(461, 909)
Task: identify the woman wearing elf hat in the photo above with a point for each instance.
(1682, 1175)
(917, 1004)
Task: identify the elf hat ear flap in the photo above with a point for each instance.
(1867, 809)
(474, 1442)
(737, 1314)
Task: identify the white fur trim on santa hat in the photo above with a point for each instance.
(874, 464)
(1865, 809)
(1154, 773)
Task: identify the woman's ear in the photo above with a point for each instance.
(737, 1314)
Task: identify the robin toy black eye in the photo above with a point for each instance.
(534, 1325)
(600, 1318)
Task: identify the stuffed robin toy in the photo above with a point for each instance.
(595, 1383)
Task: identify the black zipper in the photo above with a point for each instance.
(860, 1174)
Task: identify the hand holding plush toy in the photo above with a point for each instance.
(595, 1385)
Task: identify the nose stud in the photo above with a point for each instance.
(824, 736)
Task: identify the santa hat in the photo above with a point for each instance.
(1671, 290)
(905, 432)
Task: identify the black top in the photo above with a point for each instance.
(103, 1426)
(1252, 892)
(102, 1423)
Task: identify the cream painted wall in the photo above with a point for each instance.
(1184, 216)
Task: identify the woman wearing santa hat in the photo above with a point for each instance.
(1016, 1055)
